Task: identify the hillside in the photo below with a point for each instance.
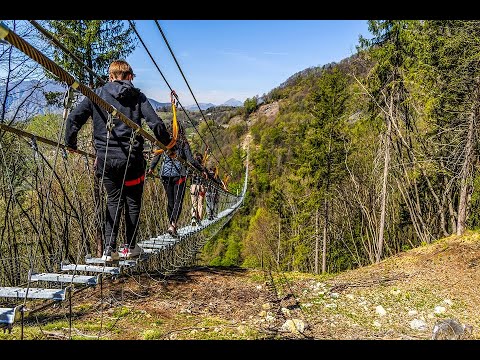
(399, 298)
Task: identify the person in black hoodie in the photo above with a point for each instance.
(119, 163)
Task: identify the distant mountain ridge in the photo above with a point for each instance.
(232, 102)
(35, 90)
(158, 105)
(204, 106)
(27, 98)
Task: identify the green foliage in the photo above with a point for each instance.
(250, 105)
(258, 246)
(95, 42)
(122, 311)
(232, 254)
(324, 149)
(47, 126)
(54, 98)
(152, 334)
(225, 248)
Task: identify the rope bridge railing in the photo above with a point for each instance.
(52, 212)
(29, 176)
(49, 217)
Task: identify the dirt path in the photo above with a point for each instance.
(400, 298)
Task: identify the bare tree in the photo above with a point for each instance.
(21, 79)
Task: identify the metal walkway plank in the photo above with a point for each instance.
(163, 237)
(92, 268)
(100, 261)
(33, 293)
(65, 278)
(150, 251)
(151, 245)
(9, 315)
(189, 230)
(157, 241)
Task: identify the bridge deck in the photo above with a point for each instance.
(111, 270)
(8, 316)
(34, 293)
(120, 263)
(65, 278)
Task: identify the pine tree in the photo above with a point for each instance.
(324, 150)
(96, 42)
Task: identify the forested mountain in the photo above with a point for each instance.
(365, 158)
(351, 162)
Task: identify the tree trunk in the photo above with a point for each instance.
(324, 250)
(465, 177)
(440, 205)
(90, 65)
(279, 232)
(453, 216)
(384, 192)
(317, 241)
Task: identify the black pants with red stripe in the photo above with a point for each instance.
(175, 189)
(124, 186)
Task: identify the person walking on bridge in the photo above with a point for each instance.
(119, 163)
(174, 175)
(212, 192)
(197, 193)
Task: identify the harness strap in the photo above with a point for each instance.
(174, 126)
(181, 180)
(135, 181)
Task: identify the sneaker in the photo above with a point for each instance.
(110, 255)
(172, 230)
(128, 252)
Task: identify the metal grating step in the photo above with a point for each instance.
(8, 316)
(160, 240)
(65, 278)
(34, 293)
(152, 245)
(206, 222)
(163, 237)
(100, 261)
(92, 268)
(189, 230)
(150, 251)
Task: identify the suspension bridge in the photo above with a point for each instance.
(52, 207)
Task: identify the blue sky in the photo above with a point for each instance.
(223, 59)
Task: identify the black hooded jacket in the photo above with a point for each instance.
(128, 100)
